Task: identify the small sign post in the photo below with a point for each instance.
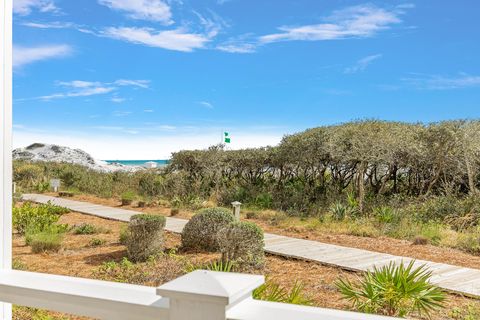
(55, 184)
(236, 210)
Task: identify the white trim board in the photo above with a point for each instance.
(6, 145)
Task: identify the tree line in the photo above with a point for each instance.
(368, 159)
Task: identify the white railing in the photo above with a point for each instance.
(200, 295)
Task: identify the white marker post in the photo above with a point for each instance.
(55, 184)
(236, 210)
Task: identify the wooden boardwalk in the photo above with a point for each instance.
(465, 281)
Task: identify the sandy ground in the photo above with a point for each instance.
(78, 258)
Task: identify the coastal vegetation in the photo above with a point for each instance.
(152, 256)
(417, 182)
(366, 179)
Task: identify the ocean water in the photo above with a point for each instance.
(138, 162)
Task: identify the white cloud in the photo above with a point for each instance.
(362, 64)
(117, 99)
(116, 129)
(25, 7)
(166, 127)
(80, 84)
(353, 22)
(212, 25)
(237, 47)
(51, 25)
(26, 55)
(120, 113)
(436, 82)
(177, 39)
(151, 10)
(81, 88)
(83, 92)
(148, 110)
(135, 83)
(206, 104)
(245, 43)
(406, 6)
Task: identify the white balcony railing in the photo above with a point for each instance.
(200, 295)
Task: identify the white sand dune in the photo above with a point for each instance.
(55, 153)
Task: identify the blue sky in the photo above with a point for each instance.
(139, 79)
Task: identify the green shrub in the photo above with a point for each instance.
(128, 197)
(406, 228)
(145, 236)
(470, 312)
(433, 232)
(46, 241)
(123, 237)
(242, 243)
(463, 223)
(272, 291)
(438, 208)
(394, 290)
(154, 272)
(176, 202)
(264, 201)
(42, 187)
(87, 228)
(95, 242)
(469, 241)
(174, 212)
(37, 218)
(53, 229)
(386, 215)
(28, 174)
(18, 265)
(201, 231)
(54, 209)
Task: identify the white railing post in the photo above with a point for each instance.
(6, 144)
(202, 295)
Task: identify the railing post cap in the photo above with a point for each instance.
(215, 287)
(236, 203)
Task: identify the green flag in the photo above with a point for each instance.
(227, 137)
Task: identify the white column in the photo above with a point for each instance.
(6, 144)
(236, 210)
(202, 294)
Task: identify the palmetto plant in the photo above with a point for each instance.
(221, 266)
(394, 290)
(340, 211)
(217, 265)
(272, 291)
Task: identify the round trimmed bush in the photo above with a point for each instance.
(144, 237)
(242, 243)
(200, 233)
